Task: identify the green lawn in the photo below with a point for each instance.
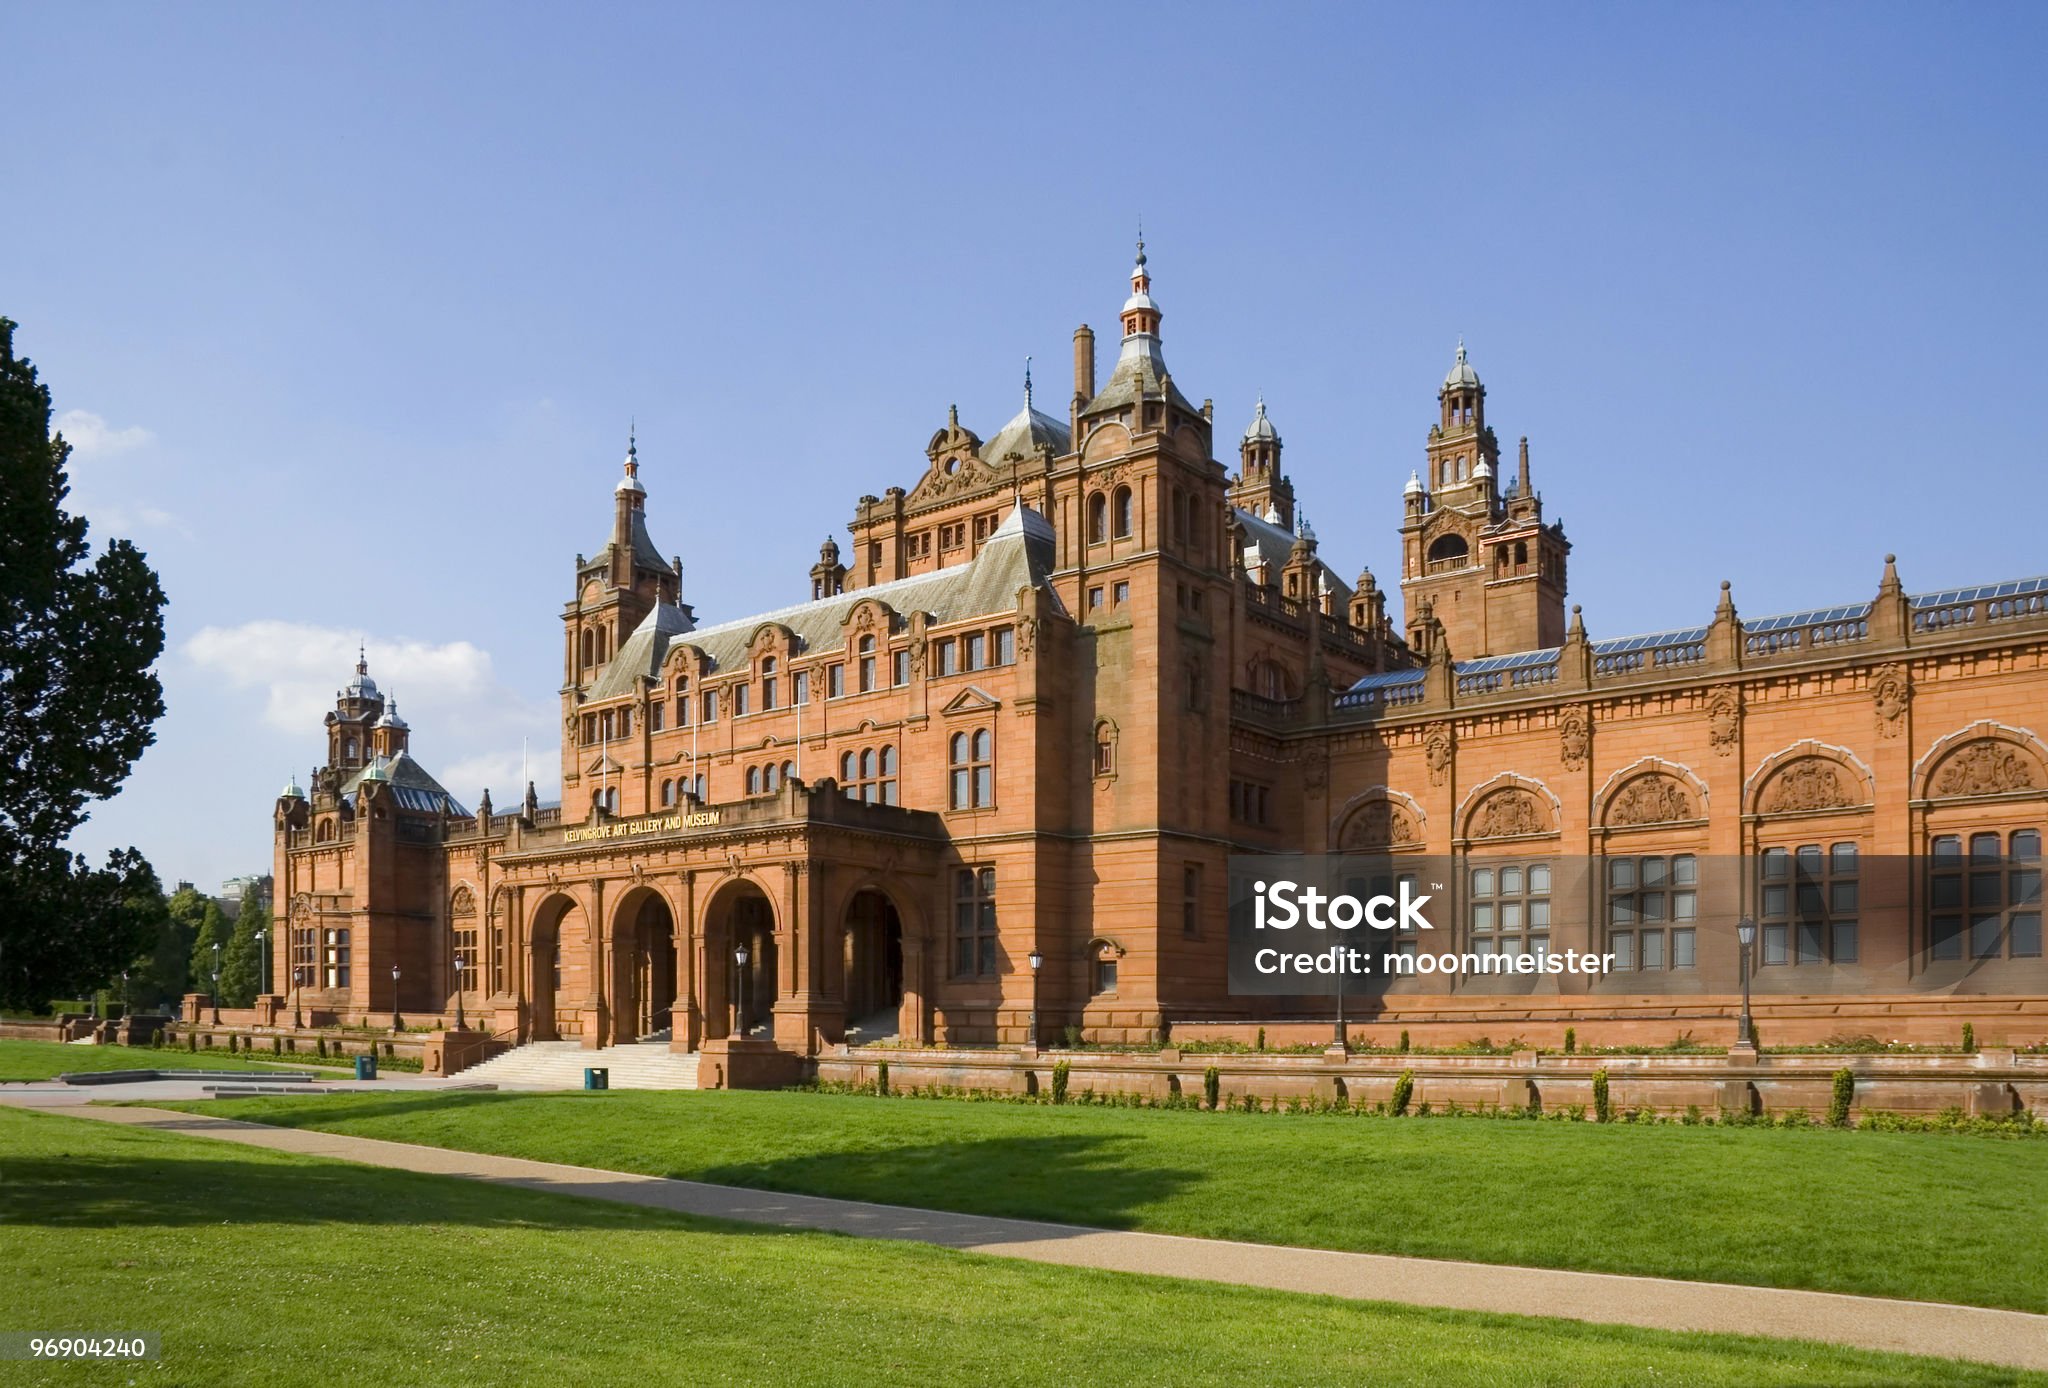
(43, 1060)
(1940, 1218)
(259, 1267)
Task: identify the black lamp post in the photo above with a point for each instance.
(397, 1022)
(216, 983)
(127, 1006)
(460, 1025)
(739, 988)
(1745, 931)
(1031, 1036)
(298, 987)
(263, 956)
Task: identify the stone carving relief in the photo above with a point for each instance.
(1027, 636)
(1891, 690)
(1508, 813)
(1653, 799)
(1315, 776)
(1724, 720)
(462, 902)
(1810, 783)
(1574, 736)
(1988, 767)
(1437, 749)
(1379, 824)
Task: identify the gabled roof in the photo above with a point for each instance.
(1274, 545)
(1018, 555)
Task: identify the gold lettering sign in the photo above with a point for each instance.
(650, 824)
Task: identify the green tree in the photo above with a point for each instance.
(167, 975)
(79, 635)
(241, 967)
(214, 929)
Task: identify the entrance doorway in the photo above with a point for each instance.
(646, 936)
(558, 942)
(740, 999)
(874, 967)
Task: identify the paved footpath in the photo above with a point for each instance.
(2013, 1338)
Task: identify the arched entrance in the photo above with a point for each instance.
(740, 998)
(873, 959)
(559, 944)
(644, 935)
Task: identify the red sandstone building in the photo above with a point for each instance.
(1054, 685)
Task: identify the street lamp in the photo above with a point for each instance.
(1745, 931)
(397, 1022)
(459, 1024)
(1035, 959)
(127, 1005)
(263, 956)
(298, 987)
(739, 985)
(216, 983)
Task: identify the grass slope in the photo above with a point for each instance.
(1910, 1215)
(44, 1060)
(256, 1267)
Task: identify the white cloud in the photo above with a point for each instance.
(122, 520)
(467, 725)
(92, 437)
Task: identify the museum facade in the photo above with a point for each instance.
(989, 774)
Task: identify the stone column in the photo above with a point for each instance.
(686, 1018)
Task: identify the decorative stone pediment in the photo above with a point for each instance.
(461, 902)
(1988, 766)
(1378, 824)
(1509, 813)
(1651, 799)
(972, 699)
(1810, 783)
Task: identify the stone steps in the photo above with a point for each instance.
(560, 1065)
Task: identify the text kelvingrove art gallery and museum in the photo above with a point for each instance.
(994, 767)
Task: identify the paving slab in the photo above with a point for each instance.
(2015, 1339)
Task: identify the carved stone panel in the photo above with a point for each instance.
(1724, 720)
(1378, 824)
(1989, 767)
(1653, 799)
(1437, 749)
(1574, 736)
(1811, 783)
(1891, 690)
(1508, 813)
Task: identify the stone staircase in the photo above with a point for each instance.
(560, 1065)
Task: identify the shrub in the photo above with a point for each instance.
(1404, 1041)
(1404, 1088)
(1840, 1097)
(1073, 1035)
(1603, 1111)
(1262, 1039)
(1212, 1086)
(1692, 1116)
(1571, 1040)
(191, 1040)
(1969, 1039)
(1060, 1073)
(882, 1078)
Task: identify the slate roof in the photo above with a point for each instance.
(1274, 544)
(411, 785)
(1018, 555)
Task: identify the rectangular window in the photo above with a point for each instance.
(974, 922)
(1994, 893)
(1122, 593)
(899, 668)
(1652, 890)
(1510, 907)
(739, 701)
(1006, 646)
(1808, 902)
(1094, 598)
(1191, 899)
(337, 961)
(710, 706)
(800, 686)
(835, 681)
(973, 651)
(1105, 975)
(948, 658)
(655, 715)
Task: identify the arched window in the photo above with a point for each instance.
(1448, 552)
(668, 792)
(1105, 750)
(1098, 518)
(789, 771)
(753, 780)
(611, 800)
(1463, 468)
(601, 646)
(348, 749)
(888, 782)
(846, 771)
(1269, 680)
(1123, 513)
(589, 647)
(867, 663)
(867, 764)
(972, 764)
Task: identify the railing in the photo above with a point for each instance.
(1243, 703)
(1813, 636)
(1953, 616)
(1271, 603)
(1383, 696)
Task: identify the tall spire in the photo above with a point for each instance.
(1027, 385)
(1141, 314)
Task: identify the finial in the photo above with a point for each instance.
(362, 660)
(953, 417)
(1141, 239)
(1461, 349)
(1027, 385)
(1262, 404)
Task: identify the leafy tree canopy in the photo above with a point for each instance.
(79, 635)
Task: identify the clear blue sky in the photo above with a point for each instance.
(354, 303)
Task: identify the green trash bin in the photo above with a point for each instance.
(596, 1077)
(366, 1067)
